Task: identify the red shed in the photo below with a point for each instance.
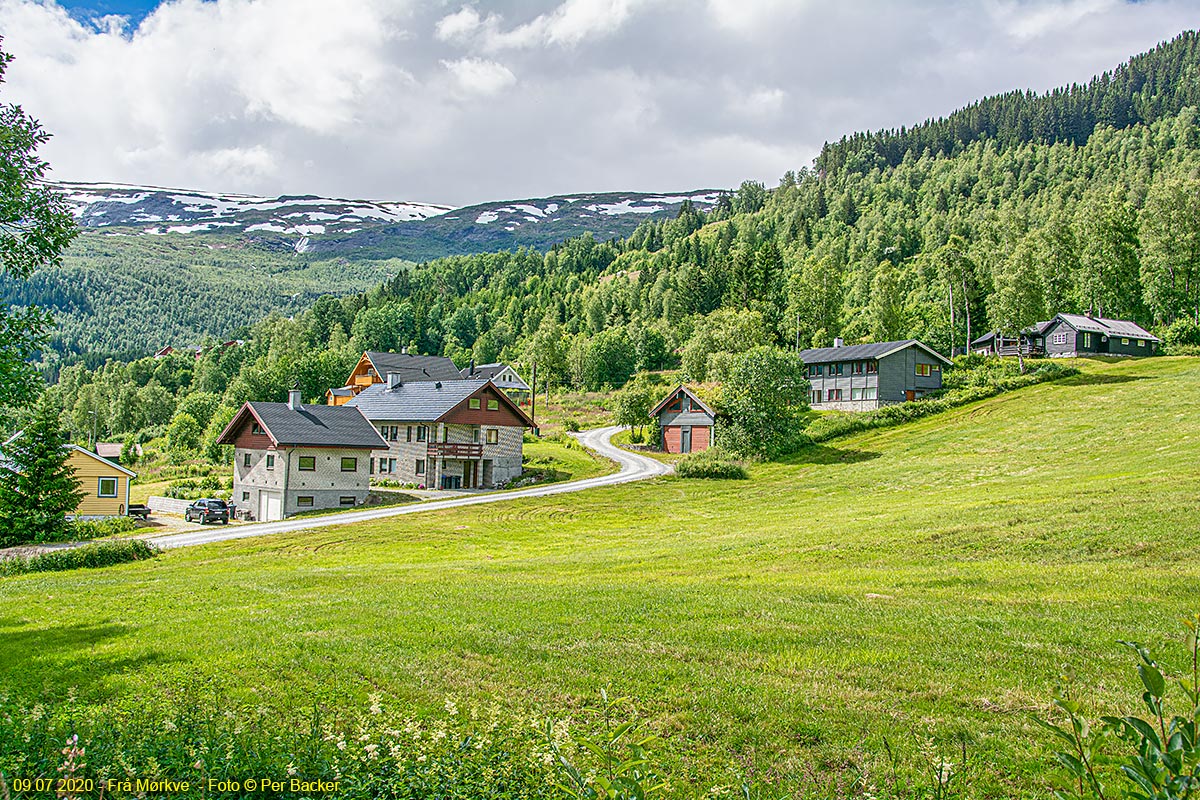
(685, 420)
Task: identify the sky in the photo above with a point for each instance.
(450, 102)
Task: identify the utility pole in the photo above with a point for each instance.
(533, 398)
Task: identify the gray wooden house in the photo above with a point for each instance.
(863, 377)
(1068, 335)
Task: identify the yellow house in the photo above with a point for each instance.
(105, 484)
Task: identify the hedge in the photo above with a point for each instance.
(97, 554)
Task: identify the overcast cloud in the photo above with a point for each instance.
(461, 103)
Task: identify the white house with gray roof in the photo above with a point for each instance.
(290, 457)
(455, 434)
(863, 377)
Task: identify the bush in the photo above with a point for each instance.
(84, 529)
(196, 488)
(1181, 333)
(97, 554)
(711, 465)
(571, 424)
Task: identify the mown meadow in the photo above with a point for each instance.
(842, 619)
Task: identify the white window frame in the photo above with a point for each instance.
(116, 484)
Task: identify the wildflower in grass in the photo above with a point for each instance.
(341, 745)
(451, 707)
(376, 708)
(372, 751)
(199, 764)
(291, 769)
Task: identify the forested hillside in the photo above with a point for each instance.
(941, 247)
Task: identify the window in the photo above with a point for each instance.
(383, 431)
(256, 429)
(473, 403)
(870, 393)
(836, 369)
(1087, 340)
(475, 435)
(420, 470)
(833, 395)
(858, 368)
(937, 368)
(391, 465)
(246, 460)
(409, 439)
(370, 466)
(493, 436)
(814, 370)
(346, 500)
(1124, 341)
(422, 432)
(856, 394)
(245, 497)
(307, 463)
(107, 487)
(349, 465)
(304, 501)
(872, 367)
(392, 433)
(493, 405)
(270, 461)
(1059, 338)
(814, 397)
(1141, 342)
(923, 370)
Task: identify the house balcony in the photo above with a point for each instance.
(455, 450)
(1027, 350)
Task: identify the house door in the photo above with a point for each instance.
(270, 506)
(487, 472)
(909, 394)
(469, 474)
(685, 440)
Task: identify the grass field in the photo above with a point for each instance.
(924, 581)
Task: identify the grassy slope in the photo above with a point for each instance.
(929, 578)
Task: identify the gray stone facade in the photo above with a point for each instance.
(461, 453)
(326, 485)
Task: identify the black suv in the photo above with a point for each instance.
(203, 511)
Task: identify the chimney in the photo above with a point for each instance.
(393, 380)
(294, 399)
(403, 351)
(838, 342)
(472, 372)
(437, 385)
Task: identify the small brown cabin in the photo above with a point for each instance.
(686, 422)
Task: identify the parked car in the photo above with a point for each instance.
(206, 510)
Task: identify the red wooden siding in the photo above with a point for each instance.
(673, 438)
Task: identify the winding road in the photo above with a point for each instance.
(633, 467)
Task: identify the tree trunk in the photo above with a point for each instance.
(967, 307)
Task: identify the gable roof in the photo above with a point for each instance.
(316, 426)
(76, 448)
(681, 388)
(412, 367)
(826, 355)
(1106, 327)
(489, 372)
(424, 401)
(102, 460)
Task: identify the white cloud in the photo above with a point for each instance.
(420, 99)
(458, 25)
(479, 75)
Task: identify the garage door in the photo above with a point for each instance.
(270, 506)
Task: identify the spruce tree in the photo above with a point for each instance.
(38, 487)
